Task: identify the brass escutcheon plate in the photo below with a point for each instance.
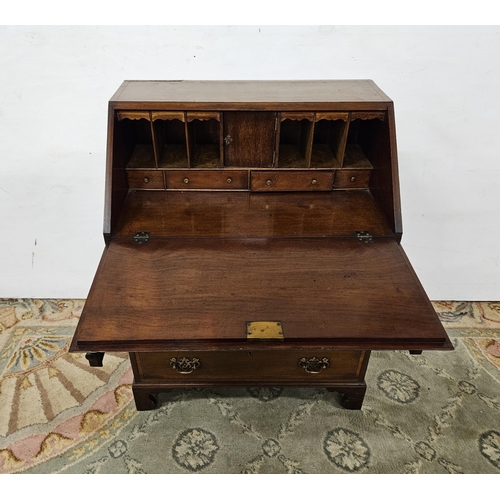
(265, 330)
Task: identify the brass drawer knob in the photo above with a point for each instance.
(229, 180)
(353, 178)
(186, 180)
(146, 180)
(314, 364)
(269, 182)
(185, 365)
(314, 181)
(228, 140)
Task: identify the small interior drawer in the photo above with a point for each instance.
(291, 181)
(352, 179)
(197, 179)
(145, 179)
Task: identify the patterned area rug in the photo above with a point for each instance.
(434, 413)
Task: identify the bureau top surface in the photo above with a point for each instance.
(252, 94)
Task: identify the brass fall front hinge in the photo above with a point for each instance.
(265, 330)
(364, 236)
(141, 237)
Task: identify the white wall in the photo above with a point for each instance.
(55, 83)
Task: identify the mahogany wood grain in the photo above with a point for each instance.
(329, 141)
(279, 95)
(218, 258)
(145, 179)
(294, 140)
(384, 180)
(203, 115)
(256, 215)
(367, 115)
(329, 290)
(354, 157)
(250, 139)
(331, 115)
(116, 187)
(133, 115)
(250, 367)
(204, 140)
(167, 115)
(352, 179)
(195, 179)
(291, 181)
(169, 140)
(296, 115)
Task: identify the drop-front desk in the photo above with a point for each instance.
(252, 235)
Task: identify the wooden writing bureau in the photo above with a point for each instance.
(253, 238)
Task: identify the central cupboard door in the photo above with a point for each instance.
(249, 139)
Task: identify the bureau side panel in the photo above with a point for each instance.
(384, 180)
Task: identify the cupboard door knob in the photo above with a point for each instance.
(184, 365)
(228, 140)
(269, 182)
(314, 364)
(186, 180)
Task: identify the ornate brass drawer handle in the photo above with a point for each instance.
(185, 365)
(314, 364)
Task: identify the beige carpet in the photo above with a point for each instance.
(434, 413)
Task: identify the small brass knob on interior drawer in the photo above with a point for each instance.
(314, 364)
(314, 181)
(146, 180)
(353, 178)
(186, 180)
(269, 182)
(185, 365)
(229, 180)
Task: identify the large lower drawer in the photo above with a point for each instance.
(250, 366)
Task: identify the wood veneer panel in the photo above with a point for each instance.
(146, 179)
(186, 290)
(196, 179)
(252, 139)
(291, 181)
(301, 95)
(243, 214)
(384, 179)
(250, 366)
(352, 179)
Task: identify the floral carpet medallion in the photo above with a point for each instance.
(438, 412)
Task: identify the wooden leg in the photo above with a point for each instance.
(352, 396)
(95, 358)
(146, 398)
